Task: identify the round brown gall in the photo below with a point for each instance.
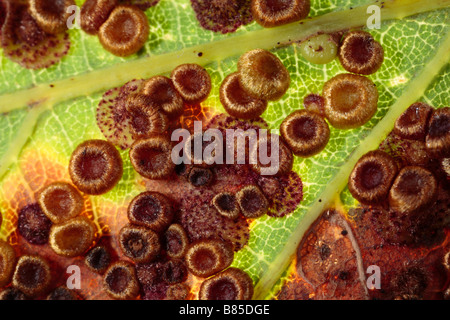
(176, 241)
(231, 284)
(32, 275)
(139, 244)
(162, 94)
(73, 237)
(7, 263)
(207, 257)
(413, 123)
(152, 210)
(94, 13)
(350, 100)
(413, 190)
(227, 205)
(192, 82)
(51, 16)
(305, 132)
(60, 201)
(360, 53)
(252, 201)
(151, 157)
(125, 31)
(237, 102)
(120, 281)
(272, 13)
(263, 75)
(437, 140)
(372, 177)
(95, 167)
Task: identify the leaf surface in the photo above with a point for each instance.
(41, 125)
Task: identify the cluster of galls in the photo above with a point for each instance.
(261, 77)
(348, 100)
(163, 253)
(30, 276)
(27, 277)
(154, 110)
(406, 188)
(148, 110)
(228, 15)
(34, 32)
(153, 240)
(56, 219)
(121, 29)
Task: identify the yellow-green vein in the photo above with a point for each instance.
(92, 82)
(413, 92)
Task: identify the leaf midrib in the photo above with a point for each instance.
(269, 38)
(41, 97)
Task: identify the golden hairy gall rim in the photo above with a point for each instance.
(125, 32)
(413, 123)
(226, 204)
(152, 210)
(350, 100)
(145, 118)
(207, 257)
(151, 157)
(437, 140)
(360, 53)
(139, 244)
(12, 293)
(252, 201)
(176, 241)
(32, 275)
(98, 259)
(413, 189)
(372, 177)
(51, 16)
(231, 284)
(237, 102)
(200, 177)
(7, 263)
(263, 75)
(120, 281)
(73, 237)
(95, 167)
(162, 94)
(305, 132)
(192, 82)
(178, 291)
(94, 13)
(269, 13)
(445, 166)
(60, 201)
